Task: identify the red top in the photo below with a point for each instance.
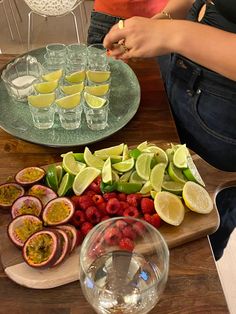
(129, 8)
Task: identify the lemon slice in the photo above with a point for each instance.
(173, 187)
(169, 207)
(124, 165)
(107, 171)
(66, 184)
(98, 90)
(69, 102)
(94, 101)
(42, 100)
(175, 173)
(72, 89)
(191, 173)
(143, 165)
(84, 178)
(109, 151)
(92, 160)
(75, 77)
(197, 198)
(157, 176)
(98, 76)
(53, 76)
(71, 165)
(180, 157)
(46, 87)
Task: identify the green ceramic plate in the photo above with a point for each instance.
(15, 117)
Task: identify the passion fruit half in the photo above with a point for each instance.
(44, 193)
(42, 249)
(72, 234)
(26, 204)
(65, 249)
(9, 192)
(58, 211)
(22, 227)
(30, 175)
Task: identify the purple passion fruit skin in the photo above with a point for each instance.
(72, 234)
(58, 211)
(26, 205)
(9, 192)
(42, 249)
(22, 227)
(30, 175)
(42, 192)
(65, 247)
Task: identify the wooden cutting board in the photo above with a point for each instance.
(193, 227)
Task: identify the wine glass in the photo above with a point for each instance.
(124, 265)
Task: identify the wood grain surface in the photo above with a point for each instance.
(193, 285)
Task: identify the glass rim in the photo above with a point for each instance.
(63, 46)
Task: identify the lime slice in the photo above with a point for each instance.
(153, 193)
(51, 177)
(160, 154)
(142, 146)
(92, 160)
(97, 90)
(191, 173)
(75, 77)
(135, 153)
(66, 184)
(135, 178)
(170, 154)
(115, 176)
(114, 158)
(125, 177)
(197, 198)
(175, 173)
(125, 154)
(42, 100)
(98, 76)
(124, 165)
(128, 188)
(180, 157)
(113, 150)
(147, 187)
(46, 87)
(173, 187)
(78, 156)
(59, 173)
(69, 102)
(53, 76)
(143, 165)
(107, 171)
(72, 89)
(169, 207)
(71, 165)
(84, 178)
(94, 101)
(157, 176)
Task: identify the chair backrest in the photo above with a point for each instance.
(52, 7)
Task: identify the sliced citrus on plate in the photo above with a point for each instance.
(128, 188)
(69, 102)
(175, 173)
(97, 90)
(143, 165)
(94, 101)
(75, 77)
(191, 173)
(71, 165)
(46, 87)
(92, 160)
(157, 176)
(72, 89)
(53, 76)
(66, 184)
(107, 171)
(98, 76)
(84, 178)
(124, 165)
(180, 157)
(173, 187)
(42, 100)
(109, 151)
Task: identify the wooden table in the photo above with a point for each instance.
(193, 285)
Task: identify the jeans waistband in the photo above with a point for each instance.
(198, 77)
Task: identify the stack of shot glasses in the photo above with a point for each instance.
(76, 79)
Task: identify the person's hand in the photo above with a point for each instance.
(140, 38)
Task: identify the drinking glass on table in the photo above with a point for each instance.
(97, 57)
(96, 118)
(43, 116)
(120, 274)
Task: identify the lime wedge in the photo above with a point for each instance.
(66, 184)
(153, 193)
(191, 173)
(51, 177)
(157, 175)
(114, 158)
(124, 165)
(71, 165)
(94, 101)
(173, 187)
(135, 178)
(46, 87)
(72, 89)
(53, 76)
(107, 171)
(97, 90)
(147, 187)
(135, 153)
(69, 102)
(160, 154)
(92, 160)
(143, 165)
(59, 173)
(84, 178)
(42, 100)
(175, 173)
(115, 176)
(125, 154)
(128, 188)
(180, 157)
(169, 207)
(142, 145)
(113, 150)
(98, 76)
(125, 176)
(75, 77)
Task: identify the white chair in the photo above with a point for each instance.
(55, 8)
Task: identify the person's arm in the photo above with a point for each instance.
(176, 9)
(203, 44)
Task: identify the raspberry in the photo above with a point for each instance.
(121, 197)
(124, 205)
(156, 220)
(86, 227)
(105, 218)
(148, 218)
(109, 195)
(120, 224)
(126, 244)
(147, 206)
(113, 206)
(97, 199)
(75, 201)
(85, 201)
(93, 215)
(128, 232)
(80, 237)
(78, 218)
(112, 236)
(89, 193)
(131, 211)
(102, 208)
(139, 228)
(133, 199)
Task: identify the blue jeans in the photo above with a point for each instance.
(100, 25)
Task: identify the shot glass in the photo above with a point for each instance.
(96, 118)
(98, 76)
(56, 50)
(97, 57)
(77, 53)
(54, 61)
(43, 117)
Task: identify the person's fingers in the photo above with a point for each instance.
(114, 36)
